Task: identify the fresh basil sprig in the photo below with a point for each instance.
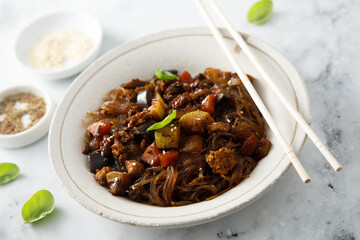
(260, 12)
(8, 172)
(164, 75)
(163, 123)
(38, 206)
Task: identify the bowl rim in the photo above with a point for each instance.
(48, 112)
(39, 19)
(142, 221)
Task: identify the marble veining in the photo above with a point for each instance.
(320, 37)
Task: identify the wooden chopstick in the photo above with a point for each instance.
(248, 52)
(254, 95)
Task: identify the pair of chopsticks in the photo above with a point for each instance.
(259, 103)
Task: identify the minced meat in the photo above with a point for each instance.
(100, 175)
(221, 161)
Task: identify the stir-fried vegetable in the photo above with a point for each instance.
(98, 129)
(195, 122)
(97, 161)
(168, 137)
(169, 158)
(164, 75)
(193, 143)
(124, 178)
(163, 123)
(185, 77)
(144, 97)
(118, 182)
(208, 104)
(217, 76)
(151, 156)
(249, 146)
(157, 109)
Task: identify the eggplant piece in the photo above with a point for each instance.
(118, 182)
(219, 92)
(133, 149)
(263, 150)
(97, 161)
(143, 127)
(141, 130)
(145, 97)
(193, 143)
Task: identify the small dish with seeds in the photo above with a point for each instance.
(25, 114)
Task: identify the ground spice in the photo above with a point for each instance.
(20, 111)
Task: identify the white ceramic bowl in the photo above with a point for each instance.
(83, 22)
(191, 49)
(35, 132)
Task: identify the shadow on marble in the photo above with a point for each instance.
(49, 220)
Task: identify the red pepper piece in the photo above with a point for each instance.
(99, 129)
(151, 156)
(250, 145)
(208, 104)
(185, 77)
(169, 158)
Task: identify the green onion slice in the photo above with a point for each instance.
(163, 123)
(164, 75)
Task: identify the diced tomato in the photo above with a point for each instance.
(169, 158)
(185, 77)
(208, 104)
(98, 129)
(250, 145)
(151, 156)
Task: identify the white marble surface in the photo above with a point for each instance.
(322, 39)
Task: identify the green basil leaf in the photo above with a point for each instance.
(164, 75)
(38, 206)
(163, 123)
(260, 12)
(8, 172)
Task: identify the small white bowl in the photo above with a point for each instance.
(83, 22)
(35, 132)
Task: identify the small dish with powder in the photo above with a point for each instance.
(59, 45)
(25, 115)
